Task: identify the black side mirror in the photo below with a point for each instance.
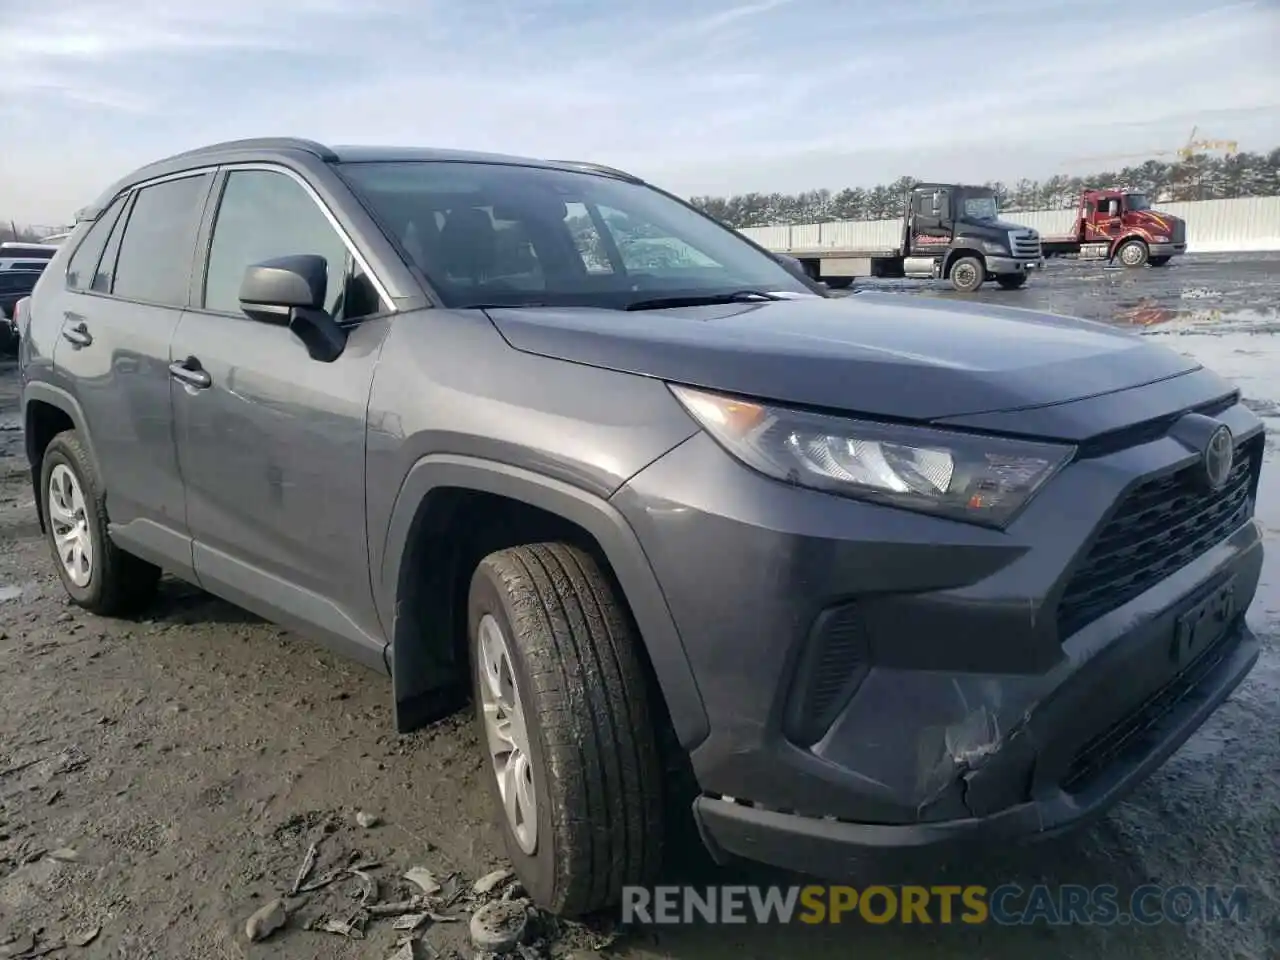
(290, 291)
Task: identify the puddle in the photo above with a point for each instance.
(10, 592)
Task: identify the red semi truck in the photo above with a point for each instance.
(1119, 224)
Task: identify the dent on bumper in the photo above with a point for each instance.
(831, 848)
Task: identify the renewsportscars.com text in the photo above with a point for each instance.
(1008, 904)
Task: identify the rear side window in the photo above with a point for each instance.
(84, 262)
(154, 264)
(23, 280)
(264, 215)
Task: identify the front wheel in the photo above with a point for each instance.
(563, 709)
(1132, 253)
(1014, 281)
(967, 274)
(1158, 261)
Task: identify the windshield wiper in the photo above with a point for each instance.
(701, 300)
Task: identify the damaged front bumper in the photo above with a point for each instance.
(876, 678)
(1028, 784)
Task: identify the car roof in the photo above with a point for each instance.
(268, 148)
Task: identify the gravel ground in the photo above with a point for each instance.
(162, 780)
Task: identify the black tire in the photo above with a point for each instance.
(967, 274)
(1012, 281)
(118, 582)
(1158, 261)
(1133, 254)
(596, 769)
(839, 283)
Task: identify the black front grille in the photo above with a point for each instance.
(1179, 232)
(1160, 527)
(1128, 735)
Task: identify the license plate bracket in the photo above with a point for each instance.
(1202, 625)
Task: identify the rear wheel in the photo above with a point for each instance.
(1158, 261)
(562, 704)
(839, 283)
(967, 274)
(1132, 253)
(1013, 281)
(97, 574)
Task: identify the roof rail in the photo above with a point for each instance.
(262, 143)
(599, 168)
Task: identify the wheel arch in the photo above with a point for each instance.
(48, 410)
(1126, 238)
(423, 667)
(958, 252)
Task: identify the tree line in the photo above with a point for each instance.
(1198, 177)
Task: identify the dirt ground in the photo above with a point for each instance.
(162, 779)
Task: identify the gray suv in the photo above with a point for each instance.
(877, 571)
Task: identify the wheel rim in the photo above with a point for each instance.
(69, 520)
(965, 274)
(507, 734)
(1131, 255)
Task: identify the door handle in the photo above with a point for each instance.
(191, 373)
(78, 335)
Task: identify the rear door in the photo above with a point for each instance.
(118, 318)
(271, 442)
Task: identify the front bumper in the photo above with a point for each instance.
(1166, 249)
(954, 704)
(1003, 266)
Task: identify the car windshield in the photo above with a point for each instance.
(1136, 201)
(980, 208)
(496, 234)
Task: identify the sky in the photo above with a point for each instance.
(699, 96)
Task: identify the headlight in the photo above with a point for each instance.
(1159, 239)
(990, 246)
(978, 479)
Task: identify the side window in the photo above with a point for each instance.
(106, 272)
(84, 262)
(587, 238)
(649, 248)
(264, 215)
(154, 264)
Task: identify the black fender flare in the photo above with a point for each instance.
(41, 392)
(593, 514)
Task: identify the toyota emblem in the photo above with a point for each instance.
(1219, 456)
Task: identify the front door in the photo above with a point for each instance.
(271, 442)
(126, 286)
(931, 223)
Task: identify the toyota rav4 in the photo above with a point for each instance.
(879, 571)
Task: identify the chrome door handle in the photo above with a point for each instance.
(191, 373)
(78, 335)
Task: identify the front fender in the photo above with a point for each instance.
(621, 548)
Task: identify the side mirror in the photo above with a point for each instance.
(290, 291)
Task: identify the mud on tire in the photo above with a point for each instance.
(596, 772)
(118, 583)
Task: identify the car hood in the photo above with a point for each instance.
(886, 355)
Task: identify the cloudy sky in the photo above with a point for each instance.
(703, 96)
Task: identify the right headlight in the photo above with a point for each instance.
(970, 477)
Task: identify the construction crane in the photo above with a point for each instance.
(1185, 152)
